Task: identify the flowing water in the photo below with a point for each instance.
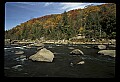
(96, 66)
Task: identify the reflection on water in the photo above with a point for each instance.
(95, 66)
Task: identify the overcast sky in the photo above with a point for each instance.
(19, 12)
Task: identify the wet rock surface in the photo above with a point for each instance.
(111, 53)
(76, 52)
(43, 55)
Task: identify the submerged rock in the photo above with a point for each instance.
(18, 67)
(70, 48)
(21, 59)
(19, 52)
(111, 53)
(43, 55)
(113, 46)
(86, 47)
(76, 52)
(76, 60)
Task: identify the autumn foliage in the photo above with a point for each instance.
(89, 21)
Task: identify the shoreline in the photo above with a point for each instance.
(63, 42)
(79, 43)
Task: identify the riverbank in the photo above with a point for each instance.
(20, 42)
(80, 42)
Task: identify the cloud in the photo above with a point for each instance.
(48, 3)
(71, 6)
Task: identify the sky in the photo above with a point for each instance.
(20, 12)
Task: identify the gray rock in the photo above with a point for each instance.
(101, 46)
(81, 62)
(111, 53)
(76, 52)
(43, 55)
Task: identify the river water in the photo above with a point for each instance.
(96, 66)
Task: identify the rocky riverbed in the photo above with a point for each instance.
(92, 65)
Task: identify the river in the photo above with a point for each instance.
(95, 66)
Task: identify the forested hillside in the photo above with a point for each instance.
(92, 21)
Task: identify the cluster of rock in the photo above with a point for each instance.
(47, 56)
(77, 57)
(104, 51)
(7, 41)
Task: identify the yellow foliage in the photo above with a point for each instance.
(81, 29)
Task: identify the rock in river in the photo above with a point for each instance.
(18, 67)
(76, 52)
(102, 46)
(19, 52)
(43, 55)
(81, 62)
(39, 45)
(111, 53)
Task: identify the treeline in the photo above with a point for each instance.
(92, 21)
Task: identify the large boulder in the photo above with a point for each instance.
(76, 52)
(101, 46)
(111, 53)
(43, 55)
